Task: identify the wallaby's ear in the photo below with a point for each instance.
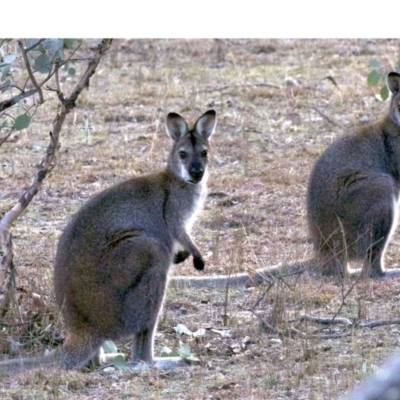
(206, 124)
(176, 126)
(393, 81)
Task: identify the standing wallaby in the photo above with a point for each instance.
(353, 193)
(113, 258)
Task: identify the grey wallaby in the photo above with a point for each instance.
(112, 262)
(353, 192)
(352, 204)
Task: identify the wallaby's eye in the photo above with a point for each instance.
(204, 153)
(182, 154)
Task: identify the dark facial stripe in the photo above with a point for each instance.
(193, 139)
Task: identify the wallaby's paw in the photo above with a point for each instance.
(170, 362)
(181, 256)
(198, 263)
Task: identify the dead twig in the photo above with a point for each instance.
(325, 320)
(377, 322)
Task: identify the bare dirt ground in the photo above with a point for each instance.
(279, 104)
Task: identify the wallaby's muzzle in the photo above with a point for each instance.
(196, 172)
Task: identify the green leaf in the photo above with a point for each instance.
(199, 332)
(69, 43)
(192, 357)
(22, 122)
(181, 329)
(109, 347)
(9, 58)
(31, 42)
(53, 45)
(43, 64)
(5, 69)
(184, 350)
(72, 71)
(119, 360)
(374, 63)
(167, 352)
(384, 93)
(373, 78)
(5, 85)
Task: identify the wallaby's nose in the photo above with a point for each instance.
(196, 172)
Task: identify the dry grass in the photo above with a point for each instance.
(276, 114)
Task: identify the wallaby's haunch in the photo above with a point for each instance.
(353, 193)
(113, 258)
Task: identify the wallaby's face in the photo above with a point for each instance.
(394, 86)
(189, 157)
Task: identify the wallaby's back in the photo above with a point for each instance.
(353, 192)
(113, 257)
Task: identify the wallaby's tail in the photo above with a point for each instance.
(14, 365)
(244, 279)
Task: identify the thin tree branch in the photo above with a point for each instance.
(30, 73)
(7, 271)
(28, 49)
(14, 100)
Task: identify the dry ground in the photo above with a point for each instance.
(276, 113)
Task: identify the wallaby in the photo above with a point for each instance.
(353, 192)
(352, 204)
(113, 258)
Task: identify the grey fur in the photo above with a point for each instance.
(353, 193)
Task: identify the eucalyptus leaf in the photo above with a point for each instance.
(69, 43)
(43, 64)
(22, 122)
(9, 58)
(5, 70)
(384, 93)
(53, 45)
(373, 78)
(109, 347)
(182, 329)
(184, 350)
(31, 42)
(5, 85)
(167, 352)
(199, 332)
(192, 357)
(71, 71)
(119, 360)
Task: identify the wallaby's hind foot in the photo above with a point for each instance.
(78, 350)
